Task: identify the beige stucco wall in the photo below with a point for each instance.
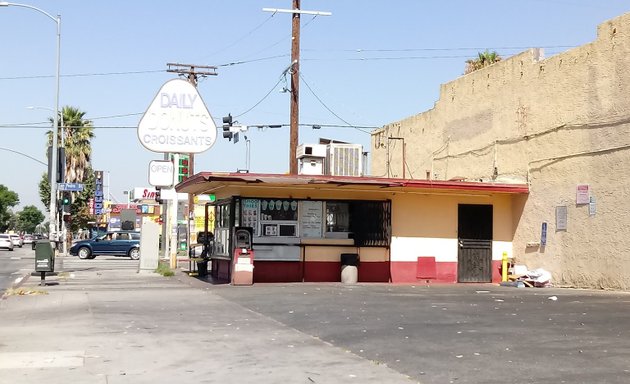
(424, 221)
(426, 225)
(554, 123)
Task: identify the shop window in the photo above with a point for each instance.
(367, 222)
(337, 216)
(278, 210)
(370, 223)
(222, 230)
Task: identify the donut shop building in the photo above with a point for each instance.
(401, 230)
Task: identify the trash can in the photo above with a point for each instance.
(44, 256)
(202, 267)
(349, 268)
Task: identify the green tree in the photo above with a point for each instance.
(44, 191)
(80, 211)
(78, 133)
(483, 60)
(29, 218)
(8, 199)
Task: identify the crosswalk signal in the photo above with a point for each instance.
(227, 125)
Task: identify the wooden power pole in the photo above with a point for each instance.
(192, 73)
(295, 89)
(295, 78)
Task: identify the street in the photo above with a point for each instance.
(106, 323)
(460, 333)
(13, 261)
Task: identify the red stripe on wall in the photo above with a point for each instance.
(277, 271)
(330, 271)
(221, 269)
(406, 272)
(496, 271)
(322, 271)
(374, 272)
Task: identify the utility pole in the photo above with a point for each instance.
(295, 89)
(295, 78)
(192, 73)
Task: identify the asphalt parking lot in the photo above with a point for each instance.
(460, 333)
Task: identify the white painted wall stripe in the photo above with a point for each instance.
(444, 250)
(410, 248)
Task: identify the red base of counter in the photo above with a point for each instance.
(321, 272)
(445, 272)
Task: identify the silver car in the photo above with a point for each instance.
(17, 240)
(6, 242)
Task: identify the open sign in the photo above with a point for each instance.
(161, 173)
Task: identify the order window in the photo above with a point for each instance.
(337, 217)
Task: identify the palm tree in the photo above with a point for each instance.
(483, 60)
(78, 133)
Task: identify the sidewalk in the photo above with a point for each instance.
(118, 326)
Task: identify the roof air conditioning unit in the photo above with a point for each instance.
(344, 159)
(311, 159)
(310, 150)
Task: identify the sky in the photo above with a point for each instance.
(370, 63)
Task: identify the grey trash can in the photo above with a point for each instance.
(44, 256)
(349, 268)
(202, 268)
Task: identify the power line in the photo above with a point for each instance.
(361, 50)
(279, 41)
(314, 125)
(325, 106)
(242, 38)
(251, 61)
(282, 77)
(116, 116)
(82, 75)
(23, 154)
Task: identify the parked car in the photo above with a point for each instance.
(6, 242)
(17, 240)
(121, 243)
(28, 239)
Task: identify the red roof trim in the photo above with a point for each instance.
(346, 180)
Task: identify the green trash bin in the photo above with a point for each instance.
(44, 256)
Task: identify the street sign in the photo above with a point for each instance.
(73, 187)
(177, 121)
(161, 173)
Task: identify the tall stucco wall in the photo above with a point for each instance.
(554, 123)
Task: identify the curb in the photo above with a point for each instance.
(14, 285)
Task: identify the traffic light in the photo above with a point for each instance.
(158, 195)
(66, 198)
(227, 124)
(183, 170)
(61, 164)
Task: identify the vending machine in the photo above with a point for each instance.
(243, 257)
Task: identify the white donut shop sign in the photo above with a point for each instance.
(177, 121)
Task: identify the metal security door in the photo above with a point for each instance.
(474, 264)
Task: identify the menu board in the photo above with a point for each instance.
(311, 219)
(278, 210)
(250, 214)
